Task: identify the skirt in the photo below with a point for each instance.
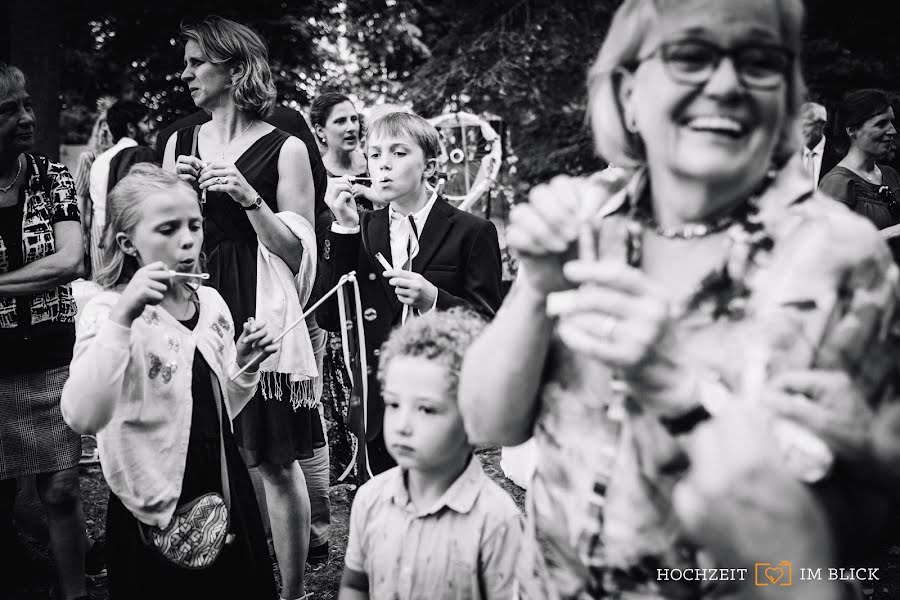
(34, 438)
(271, 431)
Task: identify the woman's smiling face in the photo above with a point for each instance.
(720, 131)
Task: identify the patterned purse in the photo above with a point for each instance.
(198, 531)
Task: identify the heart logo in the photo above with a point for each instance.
(774, 574)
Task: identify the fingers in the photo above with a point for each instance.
(612, 274)
(814, 384)
(529, 233)
(188, 167)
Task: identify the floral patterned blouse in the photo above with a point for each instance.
(41, 326)
(600, 521)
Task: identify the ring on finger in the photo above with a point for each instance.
(222, 180)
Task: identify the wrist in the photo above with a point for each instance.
(122, 316)
(348, 221)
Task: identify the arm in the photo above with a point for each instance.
(499, 382)
(97, 373)
(482, 274)
(338, 257)
(61, 267)
(295, 193)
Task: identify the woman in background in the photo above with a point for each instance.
(864, 129)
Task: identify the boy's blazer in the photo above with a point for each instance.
(458, 252)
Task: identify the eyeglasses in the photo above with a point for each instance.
(693, 62)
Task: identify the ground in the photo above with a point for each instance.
(37, 573)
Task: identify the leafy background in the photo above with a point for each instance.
(521, 60)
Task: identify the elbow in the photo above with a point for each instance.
(78, 421)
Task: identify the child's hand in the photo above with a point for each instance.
(412, 289)
(148, 286)
(339, 198)
(362, 191)
(189, 167)
(255, 339)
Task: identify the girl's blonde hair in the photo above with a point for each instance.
(631, 25)
(224, 41)
(123, 212)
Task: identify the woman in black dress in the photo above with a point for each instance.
(864, 129)
(248, 170)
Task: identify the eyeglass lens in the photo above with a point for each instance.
(694, 61)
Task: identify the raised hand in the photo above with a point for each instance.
(148, 286)
(340, 199)
(255, 339)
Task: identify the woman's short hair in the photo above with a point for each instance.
(10, 77)
(398, 124)
(123, 212)
(856, 108)
(632, 23)
(224, 41)
(322, 105)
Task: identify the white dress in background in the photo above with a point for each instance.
(517, 462)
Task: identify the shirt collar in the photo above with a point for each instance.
(420, 216)
(818, 149)
(459, 497)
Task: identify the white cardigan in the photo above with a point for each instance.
(146, 371)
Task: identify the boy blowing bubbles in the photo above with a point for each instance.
(435, 526)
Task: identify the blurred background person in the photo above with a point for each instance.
(813, 117)
(129, 123)
(864, 131)
(254, 178)
(40, 254)
(100, 141)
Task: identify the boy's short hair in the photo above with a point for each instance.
(122, 114)
(406, 124)
(441, 336)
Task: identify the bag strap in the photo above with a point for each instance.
(217, 394)
(195, 135)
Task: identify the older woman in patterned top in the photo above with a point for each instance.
(40, 253)
(721, 278)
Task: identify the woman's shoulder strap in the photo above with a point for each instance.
(186, 141)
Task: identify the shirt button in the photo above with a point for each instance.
(370, 314)
(371, 276)
(376, 352)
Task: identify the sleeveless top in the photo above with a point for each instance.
(230, 242)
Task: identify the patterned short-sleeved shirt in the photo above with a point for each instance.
(599, 511)
(40, 211)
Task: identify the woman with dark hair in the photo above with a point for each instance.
(338, 127)
(40, 254)
(258, 190)
(864, 129)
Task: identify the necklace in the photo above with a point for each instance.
(691, 230)
(4, 189)
(225, 147)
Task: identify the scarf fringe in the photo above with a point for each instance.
(302, 392)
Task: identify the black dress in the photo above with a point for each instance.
(243, 569)
(267, 431)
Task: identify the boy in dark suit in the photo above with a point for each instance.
(440, 257)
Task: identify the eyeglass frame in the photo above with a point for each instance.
(721, 53)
